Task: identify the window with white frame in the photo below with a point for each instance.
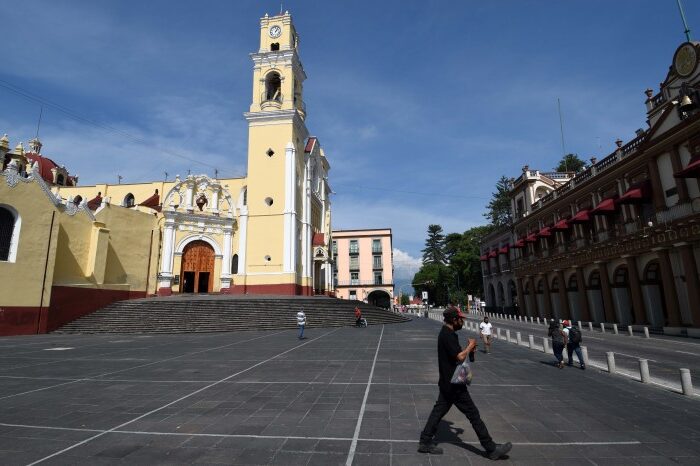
(355, 278)
(377, 262)
(353, 294)
(377, 278)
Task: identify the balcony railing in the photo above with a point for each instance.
(363, 283)
(354, 251)
(674, 212)
(376, 249)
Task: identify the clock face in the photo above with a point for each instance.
(275, 31)
(686, 60)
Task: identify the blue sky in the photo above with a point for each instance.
(420, 105)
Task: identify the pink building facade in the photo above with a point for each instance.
(364, 266)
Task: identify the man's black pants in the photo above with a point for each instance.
(458, 396)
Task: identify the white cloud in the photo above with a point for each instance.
(405, 265)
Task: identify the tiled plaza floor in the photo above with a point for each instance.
(342, 396)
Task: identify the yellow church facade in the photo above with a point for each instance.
(72, 249)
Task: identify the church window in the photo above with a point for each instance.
(269, 201)
(268, 258)
(273, 87)
(234, 264)
(60, 180)
(275, 46)
(129, 200)
(270, 152)
(8, 234)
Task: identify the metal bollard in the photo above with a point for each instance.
(508, 335)
(538, 320)
(646, 332)
(545, 345)
(629, 330)
(584, 350)
(615, 329)
(518, 338)
(602, 327)
(643, 370)
(590, 326)
(686, 382)
(611, 361)
(580, 325)
(531, 340)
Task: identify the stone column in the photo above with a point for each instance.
(226, 259)
(524, 308)
(582, 295)
(670, 293)
(189, 194)
(533, 298)
(692, 283)
(608, 303)
(563, 298)
(656, 187)
(290, 213)
(242, 239)
(547, 298)
(640, 316)
(681, 185)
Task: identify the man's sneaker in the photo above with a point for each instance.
(583, 367)
(429, 448)
(500, 451)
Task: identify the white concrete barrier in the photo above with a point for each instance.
(508, 335)
(615, 329)
(590, 326)
(538, 320)
(686, 382)
(545, 345)
(644, 370)
(580, 325)
(584, 351)
(602, 327)
(611, 362)
(629, 330)
(531, 340)
(518, 338)
(646, 332)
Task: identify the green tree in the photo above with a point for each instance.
(498, 209)
(404, 300)
(570, 163)
(434, 252)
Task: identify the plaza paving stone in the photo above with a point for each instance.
(342, 394)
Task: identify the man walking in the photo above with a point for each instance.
(486, 333)
(450, 354)
(301, 322)
(573, 343)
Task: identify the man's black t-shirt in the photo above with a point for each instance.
(448, 348)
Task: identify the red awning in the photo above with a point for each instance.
(95, 202)
(545, 232)
(582, 216)
(504, 250)
(153, 201)
(692, 170)
(485, 257)
(561, 225)
(531, 238)
(637, 194)
(519, 244)
(493, 254)
(605, 207)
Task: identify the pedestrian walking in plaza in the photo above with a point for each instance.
(558, 342)
(450, 354)
(573, 343)
(486, 332)
(301, 322)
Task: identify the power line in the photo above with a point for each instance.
(70, 113)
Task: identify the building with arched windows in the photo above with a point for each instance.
(618, 241)
(67, 249)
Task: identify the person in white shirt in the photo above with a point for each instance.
(485, 330)
(301, 322)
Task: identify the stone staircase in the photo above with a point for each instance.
(224, 313)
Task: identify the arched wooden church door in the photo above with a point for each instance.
(197, 271)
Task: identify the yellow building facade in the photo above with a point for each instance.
(268, 232)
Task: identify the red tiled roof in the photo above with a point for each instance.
(637, 194)
(153, 201)
(692, 170)
(95, 202)
(319, 239)
(45, 165)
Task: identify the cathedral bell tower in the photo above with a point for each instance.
(271, 221)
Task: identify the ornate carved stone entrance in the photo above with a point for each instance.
(197, 271)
